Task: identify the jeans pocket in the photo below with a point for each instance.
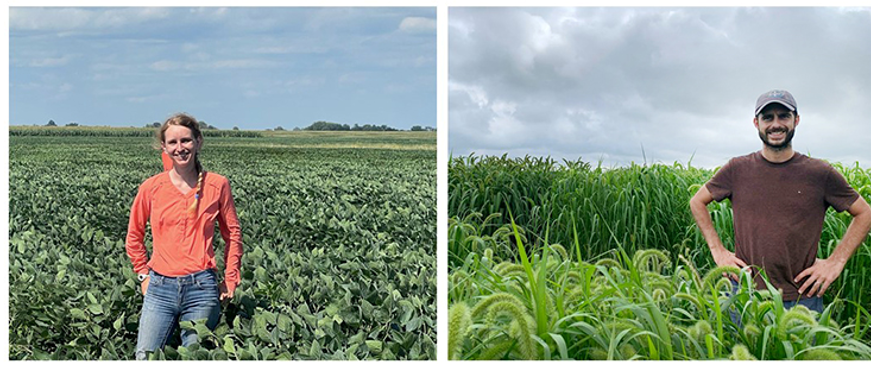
(155, 280)
(206, 281)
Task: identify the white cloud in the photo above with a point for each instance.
(291, 49)
(417, 25)
(210, 12)
(58, 19)
(605, 81)
(476, 93)
(241, 63)
(304, 81)
(352, 78)
(167, 65)
(275, 50)
(142, 99)
(50, 61)
(188, 47)
(209, 53)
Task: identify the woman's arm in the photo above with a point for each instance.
(135, 244)
(231, 231)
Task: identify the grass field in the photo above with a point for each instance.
(339, 237)
(568, 260)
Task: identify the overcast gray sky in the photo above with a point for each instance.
(600, 83)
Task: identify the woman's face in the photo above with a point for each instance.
(180, 144)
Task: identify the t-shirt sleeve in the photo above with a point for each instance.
(839, 194)
(720, 186)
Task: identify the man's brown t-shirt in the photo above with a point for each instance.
(778, 211)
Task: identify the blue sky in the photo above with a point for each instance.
(255, 68)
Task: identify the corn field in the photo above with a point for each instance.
(567, 260)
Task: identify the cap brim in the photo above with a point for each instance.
(759, 109)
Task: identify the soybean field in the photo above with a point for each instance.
(338, 232)
(567, 260)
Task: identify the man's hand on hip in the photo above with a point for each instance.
(724, 257)
(819, 277)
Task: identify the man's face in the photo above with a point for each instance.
(776, 125)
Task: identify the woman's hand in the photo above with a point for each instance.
(144, 284)
(224, 293)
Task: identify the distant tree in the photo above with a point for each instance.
(329, 126)
(153, 125)
(279, 128)
(325, 126)
(296, 129)
(235, 128)
(51, 123)
(417, 128)
(204, 125)
(72, 125)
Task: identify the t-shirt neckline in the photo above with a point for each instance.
(795, 156)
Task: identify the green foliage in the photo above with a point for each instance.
(646, 307)
(330, 126)
(339, 239)
(593, 211)
(821, 355)
(458, 325)
(418, 128)
(741, 353)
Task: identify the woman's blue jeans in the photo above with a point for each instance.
(169, 300)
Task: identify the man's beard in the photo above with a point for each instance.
(783, 145)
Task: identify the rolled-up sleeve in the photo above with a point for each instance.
(231, 231)
(135, 243)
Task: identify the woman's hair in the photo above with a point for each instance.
(188, 121)
(182, 119)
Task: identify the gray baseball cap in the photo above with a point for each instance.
(776, 96)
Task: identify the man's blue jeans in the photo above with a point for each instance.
(169, 300)
(813, 303)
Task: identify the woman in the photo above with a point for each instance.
(179, 282)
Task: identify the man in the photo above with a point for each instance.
(779, 200)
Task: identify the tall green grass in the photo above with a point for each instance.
(634, 208)
(546, 305)
(638, 206)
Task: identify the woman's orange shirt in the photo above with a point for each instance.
(182, 244)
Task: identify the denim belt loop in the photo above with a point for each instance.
(194, 278)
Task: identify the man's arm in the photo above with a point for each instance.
(824, 271)
(699, 206)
